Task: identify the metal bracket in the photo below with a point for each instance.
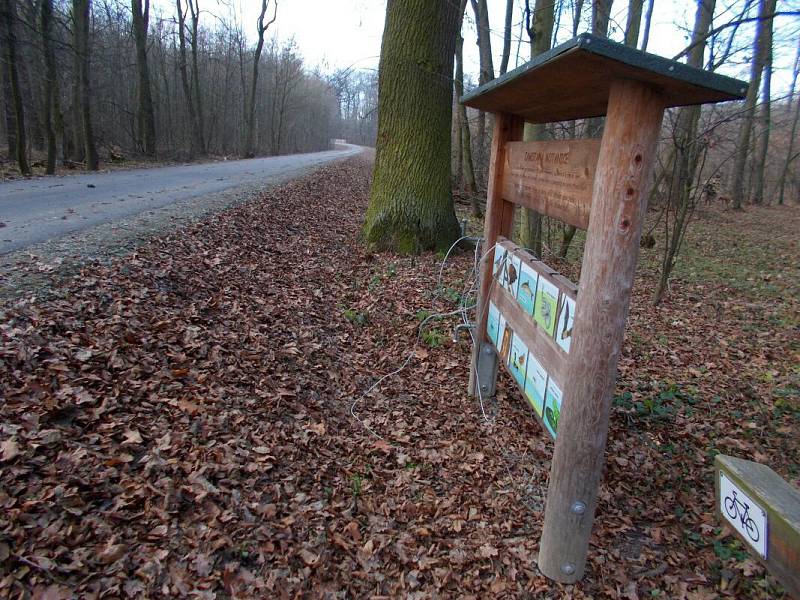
(487, 370)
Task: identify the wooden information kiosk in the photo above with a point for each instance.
(561, 342)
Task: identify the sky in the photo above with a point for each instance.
(335, 34)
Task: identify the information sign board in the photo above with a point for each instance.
(553, 178)
(530, 315)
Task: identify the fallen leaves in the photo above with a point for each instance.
(111, 553)
(178, 424)
(9, 450)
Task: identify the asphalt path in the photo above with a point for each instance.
(48, 208)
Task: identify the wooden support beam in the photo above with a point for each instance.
(619, 203)
(498, 222)
(764, 510)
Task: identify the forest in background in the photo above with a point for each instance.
(167, 85)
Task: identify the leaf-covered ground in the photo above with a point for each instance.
(178, 423)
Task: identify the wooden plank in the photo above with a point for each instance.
(498, 221)
(776, 534)
(619, 206)
(553, 178)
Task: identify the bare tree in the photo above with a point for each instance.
(481, 12)
(7, 17)
(766, 9)
(251, 107)
(80, 13)
(601, 15)
(507, 37)
(539, 25)
(146, 119)
(287, 78)
(648, 19)
(411, 203)
(50, 82)
(198, 144)
(685, 160)
(634, 22)
(793, 130)
(464, 134)
(763, 142)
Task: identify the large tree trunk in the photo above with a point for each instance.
(763, 146)
(540, 32)
(766, 7)
(80, 11)
(145, 117)
(49, 100)
(251, 106)
(7, 16)
(411, 204)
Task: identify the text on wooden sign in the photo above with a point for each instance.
(554, 178)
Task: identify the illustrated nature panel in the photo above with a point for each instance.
(506, 269)
(517, 359)
(526, 294)
(554, 314)
(493, 323)
(546, 305)
(535, 384)
(552, 406)
(566, 318)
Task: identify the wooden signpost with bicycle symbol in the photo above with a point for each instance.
(561, 342)
(764, 511)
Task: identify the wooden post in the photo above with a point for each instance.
(765, 515)
(498, 221)
(619, 203)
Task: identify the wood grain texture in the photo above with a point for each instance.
(612, 247)
(554, 178)
(498, 222)
(782, 503)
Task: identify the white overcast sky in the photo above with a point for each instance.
(342, 33)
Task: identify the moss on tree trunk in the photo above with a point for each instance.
(411, 203)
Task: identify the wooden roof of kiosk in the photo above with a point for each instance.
(573, 80)
(599, 185)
